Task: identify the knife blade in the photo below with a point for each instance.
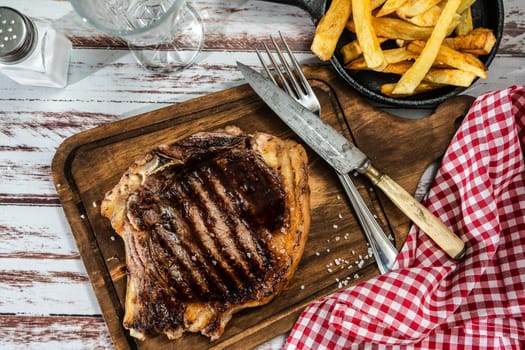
(344, 157)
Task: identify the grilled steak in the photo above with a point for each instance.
(211, 224)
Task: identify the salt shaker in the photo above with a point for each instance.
(32, 52)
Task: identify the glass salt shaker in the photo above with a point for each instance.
(32, 52)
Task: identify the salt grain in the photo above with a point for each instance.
(335, 226)
(317, 253)
(94, 204)
(302, 286)
(339, 216)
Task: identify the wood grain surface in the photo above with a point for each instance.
(46, 299)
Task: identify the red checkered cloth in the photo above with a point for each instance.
(430, 301)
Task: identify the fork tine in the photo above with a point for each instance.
(287, 69)
(297, 67)
(265, 66)
(278, 70)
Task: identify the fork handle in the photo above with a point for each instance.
(384, 252)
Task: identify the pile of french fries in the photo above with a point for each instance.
(428, 43)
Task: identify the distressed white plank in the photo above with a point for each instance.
(53, 332)
(113, 77)
(45, 286)
(43, 234)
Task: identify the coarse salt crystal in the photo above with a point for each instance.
(335, 226)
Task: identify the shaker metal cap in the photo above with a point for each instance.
(17, 35)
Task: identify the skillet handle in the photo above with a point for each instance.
(315, 8)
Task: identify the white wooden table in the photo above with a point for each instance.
(46, 300)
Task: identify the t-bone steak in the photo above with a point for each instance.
(211, 224)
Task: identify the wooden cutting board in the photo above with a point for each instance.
(336, 256)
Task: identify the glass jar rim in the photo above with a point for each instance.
(77, 6)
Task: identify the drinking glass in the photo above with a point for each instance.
(165, 35)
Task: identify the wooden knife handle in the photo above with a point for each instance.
(424, 219)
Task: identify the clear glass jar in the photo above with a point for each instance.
(32, 52)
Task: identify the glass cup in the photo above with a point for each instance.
(163, 35)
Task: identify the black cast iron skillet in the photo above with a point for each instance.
(485, 13)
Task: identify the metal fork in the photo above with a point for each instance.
(292, 79)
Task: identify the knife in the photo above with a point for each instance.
(344, 157)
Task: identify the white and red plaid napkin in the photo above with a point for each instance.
(430, 301)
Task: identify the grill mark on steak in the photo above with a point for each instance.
(217, 282)
(221, 233)
(245, 240)
(192, 215)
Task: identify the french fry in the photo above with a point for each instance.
(415, 7)
(366, 35)
(398, 68)
(376, 3)
(411, 79)
(390, 6)
(449, 76)
(443, 76)
(352, 50)
(479, 41)
(465, 25)
(455, 59)
(428, 18)
(395, 28)
(387, 89)
(465, 4)
(330, 28)
(391, 56)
